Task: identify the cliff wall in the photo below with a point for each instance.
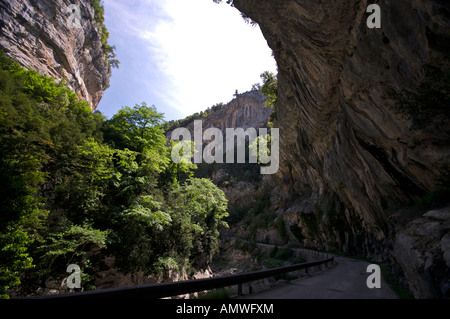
(245, 110)
(349, 158)
(38, 35)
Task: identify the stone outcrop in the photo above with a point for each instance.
(245, 110)
(348, 157)
(37, 35)
(422, 249)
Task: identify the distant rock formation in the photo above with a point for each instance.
(36, 33)
(246, 110)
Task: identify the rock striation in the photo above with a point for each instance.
(244, 111)
(37, 34)
(348, 157)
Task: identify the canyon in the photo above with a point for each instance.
(363, 133)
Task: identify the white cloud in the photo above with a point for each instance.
(207, 51)
(196, 53)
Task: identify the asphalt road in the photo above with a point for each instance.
(345, 280)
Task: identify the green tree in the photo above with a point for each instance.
(269, 88)
(68, 244)
(263, 156)
(199, 207)
(41, 125)
(136, 128)
(14, 258)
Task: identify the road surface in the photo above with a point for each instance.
(346, 280)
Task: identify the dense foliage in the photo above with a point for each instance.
(77, 188)
(108, 50)
(269, 89)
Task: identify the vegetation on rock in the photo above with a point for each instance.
(108, 49)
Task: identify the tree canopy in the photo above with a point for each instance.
(78, 188)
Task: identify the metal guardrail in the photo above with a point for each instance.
(168, 289)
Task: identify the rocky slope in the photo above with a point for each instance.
(349, 159)
(37, 35)
(244, 111)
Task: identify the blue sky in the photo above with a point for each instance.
(182, 56)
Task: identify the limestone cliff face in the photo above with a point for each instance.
(37, 35)
(347, 157)
(245, 111)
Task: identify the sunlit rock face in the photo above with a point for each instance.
(38, 35)
(246, 110)
(348, 158)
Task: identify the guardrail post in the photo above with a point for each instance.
(250, 289)
(240, 289)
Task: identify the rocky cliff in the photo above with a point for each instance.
(39, 36)
(245, 110)
(351, 154)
